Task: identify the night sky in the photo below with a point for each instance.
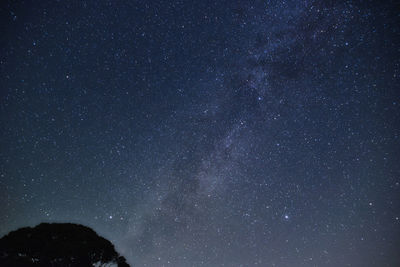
(206, 133)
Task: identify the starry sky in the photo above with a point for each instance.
(206, 133)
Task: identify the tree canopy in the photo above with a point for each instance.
(57, 244)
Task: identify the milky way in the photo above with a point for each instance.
(202, 133)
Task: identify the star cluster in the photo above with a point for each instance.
(206, 133)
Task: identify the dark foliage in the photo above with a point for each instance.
(57, 244)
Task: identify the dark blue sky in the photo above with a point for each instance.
(206, 133)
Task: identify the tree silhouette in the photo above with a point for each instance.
(57, 244)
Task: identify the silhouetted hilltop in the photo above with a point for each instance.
(57, 244)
